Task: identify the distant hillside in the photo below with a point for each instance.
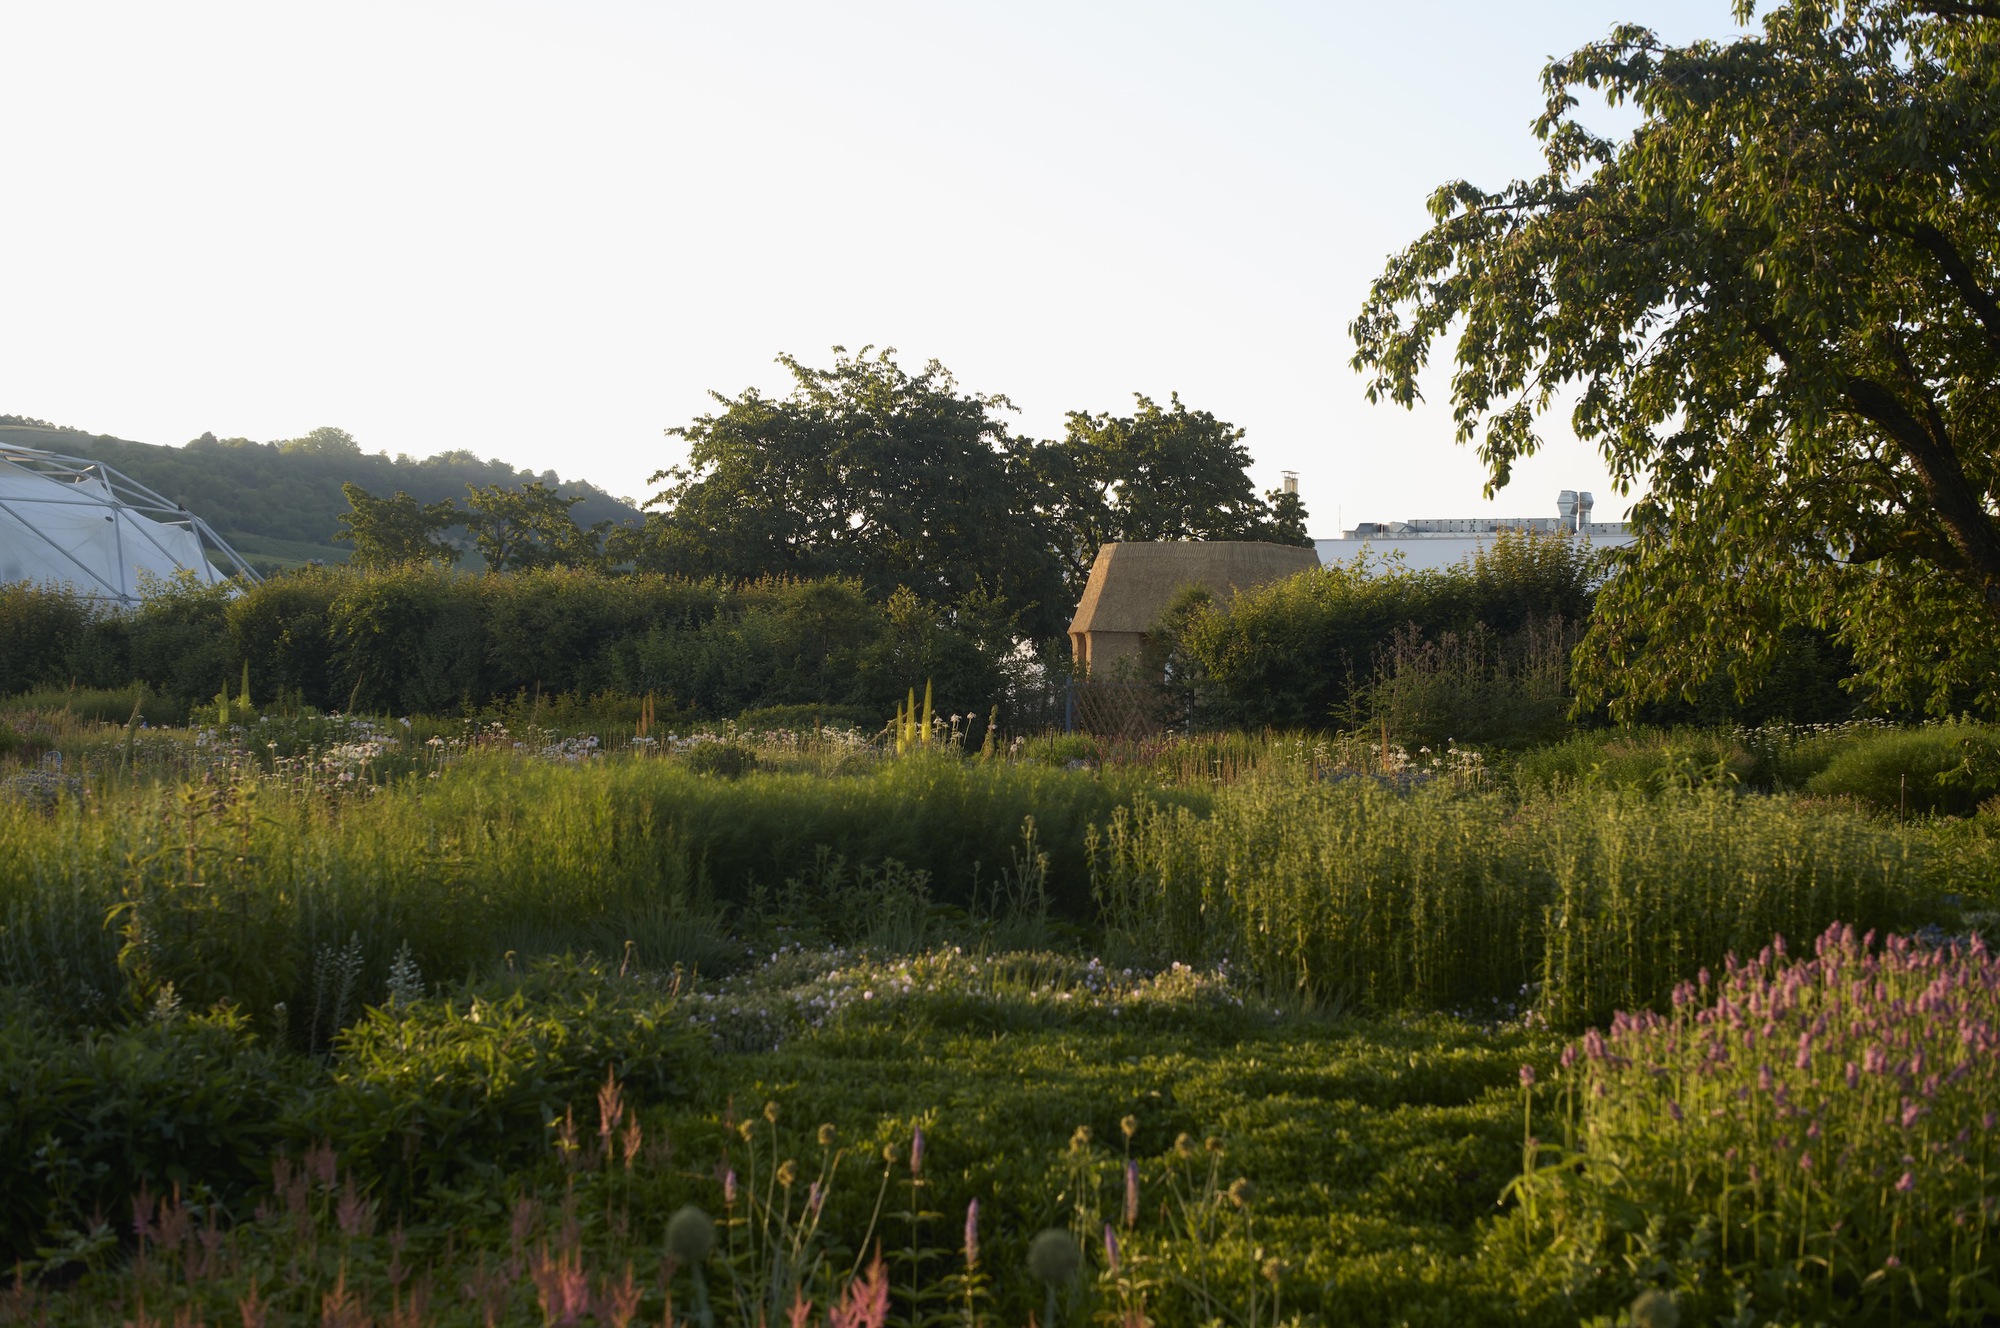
(278, 504)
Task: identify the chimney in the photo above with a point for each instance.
(1566, 508)
(1291, 481)
(1582, 511)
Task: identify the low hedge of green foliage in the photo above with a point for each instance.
(1948, 768)
(421, 639)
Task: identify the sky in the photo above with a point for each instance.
(547, 231)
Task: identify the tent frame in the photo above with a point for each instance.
(125, 492)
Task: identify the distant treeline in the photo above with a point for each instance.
(279, 503)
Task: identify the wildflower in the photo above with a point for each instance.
(826, 1136)
(1080, 1140)
(1110, 1248)
(1241, 1192)
(1527, 1076)
(1128, 1126)
(972, 1235)
(771, 1112)
(729, 1188)
(788, 1173)
(917, 1151)
(1131, 1195)
(1907, 1183)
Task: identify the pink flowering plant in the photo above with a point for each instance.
(1805, 1139)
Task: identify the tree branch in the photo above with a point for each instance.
(1959, 273)
(1951, 494)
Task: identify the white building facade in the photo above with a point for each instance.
(1434, 544)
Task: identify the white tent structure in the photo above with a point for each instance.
(81, 524)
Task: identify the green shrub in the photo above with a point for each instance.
(102, 705)
(1649, 759)
(429, 1091)
(1948, 768)
(807, 716)
(725, 760)
(1291, 655)
(88, 1121)
(44, 635)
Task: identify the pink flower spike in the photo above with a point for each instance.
(972, 1235)
(1527, 1076)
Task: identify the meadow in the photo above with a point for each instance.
(556, 1016)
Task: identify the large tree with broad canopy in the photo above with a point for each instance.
(1775, 307)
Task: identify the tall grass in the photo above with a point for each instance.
(267, 892)
(1581, 902)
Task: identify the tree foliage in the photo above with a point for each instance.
(1777, 307)
(529, 526)
(905, 480)
(864, 471)
(1157, 474)
(399, 529)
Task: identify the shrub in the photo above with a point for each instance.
(1648, 759)
(426, 1092)
(1949, 768)
(1802, 1141)
(1291, 654)
(725, 760)
(88, 1121)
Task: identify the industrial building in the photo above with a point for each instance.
(1432, 544)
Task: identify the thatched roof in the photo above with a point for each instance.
(1131, 585)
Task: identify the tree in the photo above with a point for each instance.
(529, 525)
(386, 532)
(1777, 305)
(865, 470)
(1172, 474)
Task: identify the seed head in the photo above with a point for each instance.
(690, 1235)
(1241, 1192)
(1053, 1257)
(771, 1112)
(1129, 1126)
(1080, 1140)
(1183, 1146)
(1213, 1143)
(788, 1173)
(826, 1136)
(1655, 1309)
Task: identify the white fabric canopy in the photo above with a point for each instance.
(64, 521)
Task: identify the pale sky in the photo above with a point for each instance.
(543, 231)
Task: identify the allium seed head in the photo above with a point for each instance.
(690, 1234)
(1655, 1309)
(1053, 1257)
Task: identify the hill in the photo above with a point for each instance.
(278, 503)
